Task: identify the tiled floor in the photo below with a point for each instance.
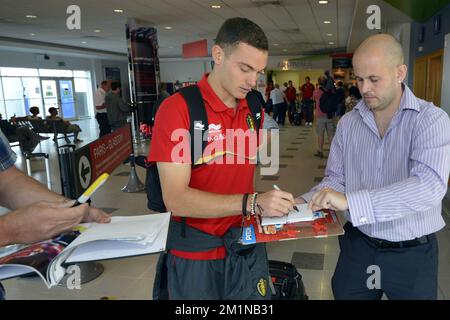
(132, 278)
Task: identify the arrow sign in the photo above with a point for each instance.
(84, 171)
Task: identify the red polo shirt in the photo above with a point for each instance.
(233, 176)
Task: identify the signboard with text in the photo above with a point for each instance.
(102, 155)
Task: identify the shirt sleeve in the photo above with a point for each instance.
(170, 135)
(426, 185)
(7, 156)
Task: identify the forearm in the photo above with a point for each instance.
(411, 196)
(18, 190)
(195, 203)
(5, 232)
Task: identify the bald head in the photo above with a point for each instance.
(384, 46)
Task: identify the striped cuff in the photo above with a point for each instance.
(307, 196)
(360, 208)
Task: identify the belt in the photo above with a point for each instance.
(385, 244)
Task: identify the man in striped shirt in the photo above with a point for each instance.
(388, 171)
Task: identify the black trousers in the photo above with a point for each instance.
(404, 273)
(103, 123)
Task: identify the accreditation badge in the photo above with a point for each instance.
(250, 123)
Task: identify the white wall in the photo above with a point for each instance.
(184, 69)
(445, 98)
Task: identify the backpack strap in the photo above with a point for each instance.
(198, 126)
(255, 108)
(198, 119)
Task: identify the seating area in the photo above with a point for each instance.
(56, 127)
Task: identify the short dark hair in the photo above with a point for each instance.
(104, 82)
(241, 30)
(52, 109)
(115, 85)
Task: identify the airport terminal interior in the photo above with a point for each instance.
(47, 60)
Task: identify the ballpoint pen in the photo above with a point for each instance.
(92, 188)
(278, 189)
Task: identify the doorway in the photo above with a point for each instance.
(428, 73)
(58, 93)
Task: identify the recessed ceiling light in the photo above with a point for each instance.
(170, 47)
(276, 44)
(331, 42)
(215, 6)
(83, 42)
(97, 30)
(168, 28)
(327, 22)
(30, 16)
(329, 34)
(118, 10)
(323, 2)
(284, 50)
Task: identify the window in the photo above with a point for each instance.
(2, 103)
(55, 73)
(13, 95)
(18, 72)
(32, 94)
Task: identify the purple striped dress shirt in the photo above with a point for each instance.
(394, 185)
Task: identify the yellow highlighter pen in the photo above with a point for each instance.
(92, 188)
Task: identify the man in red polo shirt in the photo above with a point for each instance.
(209, 263)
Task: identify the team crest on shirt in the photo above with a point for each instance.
(250, 123)
(262, 287)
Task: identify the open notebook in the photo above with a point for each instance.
(122, 237)
(303, 214)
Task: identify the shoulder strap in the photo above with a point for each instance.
(255, 108)
(198, 119)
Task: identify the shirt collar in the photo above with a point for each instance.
(213, 100)
(408, 101)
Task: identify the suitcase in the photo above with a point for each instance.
(287, 281)
(297, 118)
(47, 166)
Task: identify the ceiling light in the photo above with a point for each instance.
(29, 16)
(32, 34)
(284, 50)
(329, 34)
(168, 28)
(97, 30)
(83, 42)
(118, 10)
(327, 22)
(323, 2)
(331, 42)
(276, 44)
(215, 6)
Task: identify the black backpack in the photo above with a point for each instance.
(197, 113)
(287, 281)
(329, 102)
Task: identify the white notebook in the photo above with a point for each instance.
(303, 214)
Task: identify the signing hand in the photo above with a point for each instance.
(328, 199)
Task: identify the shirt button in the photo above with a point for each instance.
(363, 220)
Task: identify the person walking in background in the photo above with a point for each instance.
(279, 104)
(100, 107)
(290, 97)
(307, 90)
(116, 109)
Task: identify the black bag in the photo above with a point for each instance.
(297, 118)
(197, 113)
(287, 281)
(328, 102)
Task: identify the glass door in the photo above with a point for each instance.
(49, 95)
(58, 93)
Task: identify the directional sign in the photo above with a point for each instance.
(84, 172)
